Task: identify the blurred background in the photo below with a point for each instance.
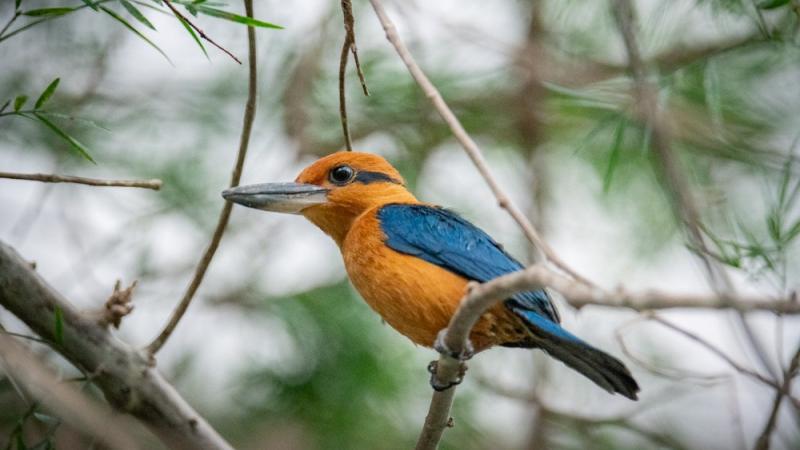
(278, 350)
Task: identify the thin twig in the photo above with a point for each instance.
(183, 19)
(791, 372)
(348, 46)
(472, 149)
(715, 350)
(222, 222)
(153, 184)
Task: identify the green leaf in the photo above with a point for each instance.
(48, 92)
(793, 232)
(127, 25)
(613, 158)
(774, 227)
(19, 102)
(192, 33)
(137, 14)
(713, 97)
(20, 442)
(73, 143)
(16, 5)
(48, 12)
(235, 17)
(58, 325)
(88, 122)
(772, 4)
(90, 4)
(46, 419)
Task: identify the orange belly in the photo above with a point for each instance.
(415, 297)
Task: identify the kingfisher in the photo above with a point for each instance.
(412, 262)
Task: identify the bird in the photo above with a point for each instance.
(412, 262)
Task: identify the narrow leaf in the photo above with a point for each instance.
(16, 5)
(58, 326)
(48, 92)
(48, 12)
(127, 25)
(235, 17)
(19, 102)
(5, 105)
(90, 4)
(192, 33)
(613, 158)
(73, 143)
(134, 11)
(771, 4)
(713, 97)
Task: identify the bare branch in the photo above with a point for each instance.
(791, 372)
(126, 376)
(188, 22)
(52, 178)
(65, 401)
(349, 45)
(472, 149)
(222, 222)
(481, 297)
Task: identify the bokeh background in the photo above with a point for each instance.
(278, 350)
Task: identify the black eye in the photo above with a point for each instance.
(341, 175)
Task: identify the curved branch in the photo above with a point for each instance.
(126, 376)
(472, 149)
(481, 297)
(225, 214)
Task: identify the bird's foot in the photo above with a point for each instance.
(437, 385)
(440, 346)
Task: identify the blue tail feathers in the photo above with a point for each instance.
(600, 367)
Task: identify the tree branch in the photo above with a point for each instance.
(64, 400)
(126, 377)
(349, 45)
(52, 178)
(769, 427)
(472, 149)
(481, 297)
(224, 215)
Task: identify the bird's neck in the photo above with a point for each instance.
(337, 218)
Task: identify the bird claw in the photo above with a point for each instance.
(439, 386)
(440, 346)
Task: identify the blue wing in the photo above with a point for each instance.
(444, 238)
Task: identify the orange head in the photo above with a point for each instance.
(332, 192)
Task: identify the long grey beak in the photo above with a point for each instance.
(289, 198)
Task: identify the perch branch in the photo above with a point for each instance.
(127, 378)
(222, 222)
(52, 178)
(482, 296)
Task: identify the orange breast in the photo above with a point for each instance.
(415, 297)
